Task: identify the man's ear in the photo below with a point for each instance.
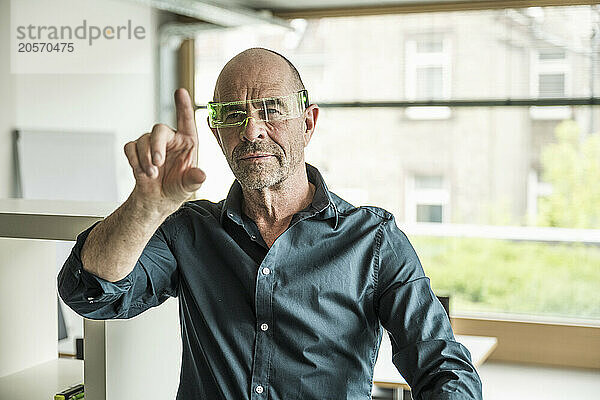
(310, 122)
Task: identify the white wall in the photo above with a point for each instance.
(7, 114)
(127, 106)
(122, 103)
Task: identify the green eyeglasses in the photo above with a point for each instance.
(268, 109)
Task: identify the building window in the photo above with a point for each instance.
(428, 74)
(429, 82)
(427, 199)
(550, 79)
(428, 68)
(551, 85)
(550, 73)
(429, 213)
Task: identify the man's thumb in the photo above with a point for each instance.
(193, 178)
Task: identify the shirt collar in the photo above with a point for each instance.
(322, 205)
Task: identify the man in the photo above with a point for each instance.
(283, 286)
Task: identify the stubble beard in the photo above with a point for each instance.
(260, 175)
(267, 173)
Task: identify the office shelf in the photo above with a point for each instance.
(28, 296)
(49, 219)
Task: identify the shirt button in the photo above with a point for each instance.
(253, 237)
(264, 327)
(259, 389)
(266, 271)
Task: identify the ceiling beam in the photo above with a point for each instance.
(214, 13)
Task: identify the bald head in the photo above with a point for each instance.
(253, 68)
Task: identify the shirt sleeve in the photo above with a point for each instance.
(154, 278)
(425, 351)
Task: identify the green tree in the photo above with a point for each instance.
(572, 166)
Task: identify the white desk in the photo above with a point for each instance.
(386, 375)
(42, 381)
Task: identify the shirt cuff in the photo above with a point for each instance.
(76, 282)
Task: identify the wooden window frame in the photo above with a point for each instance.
(424, 8)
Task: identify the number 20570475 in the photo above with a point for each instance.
(45, 47)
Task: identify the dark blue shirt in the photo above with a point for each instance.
(300, 320)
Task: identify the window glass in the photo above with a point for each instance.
(428, 182)
(430, 45)
(429, 213)
(552, 54)
(429, 82)
(513, 191)
(552, 85)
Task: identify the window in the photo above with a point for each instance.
(429, 213)
(428, 68)
(550, 79)
(427, 199)
(458, 186)
(428, 74)
(551, 73)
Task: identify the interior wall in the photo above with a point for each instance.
(126, 104)
(6, 104)
(122, 104)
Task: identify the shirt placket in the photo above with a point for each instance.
(263, 344)
(264, 327)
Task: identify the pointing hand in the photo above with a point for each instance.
(164, 161)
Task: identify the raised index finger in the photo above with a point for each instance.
(186, 123)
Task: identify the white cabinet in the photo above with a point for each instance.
(135, 358)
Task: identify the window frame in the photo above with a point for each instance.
(414, 61)
(539, 67)
(556, 66)
(413, 197)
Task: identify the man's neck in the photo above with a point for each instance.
(274, 206)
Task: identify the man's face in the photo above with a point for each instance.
(261, 154)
